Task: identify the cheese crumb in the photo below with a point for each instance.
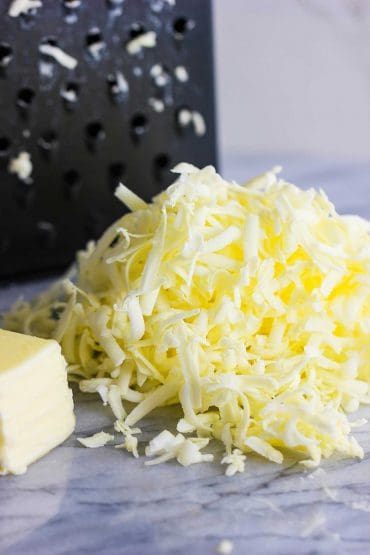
(96, 440)
(145, 40)
(235, 462)
(18, 7)
(157, 104)
(181, 74)
(21, 166)
(165, 446)
(130, 442)
(69, 95)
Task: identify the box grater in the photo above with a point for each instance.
(93, 92)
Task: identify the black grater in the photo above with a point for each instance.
(125, 112)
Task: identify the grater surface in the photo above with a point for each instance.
(116, 115)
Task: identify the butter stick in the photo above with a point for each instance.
(36, 404)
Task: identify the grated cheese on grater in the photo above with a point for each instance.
(58, 55)
(19, 7)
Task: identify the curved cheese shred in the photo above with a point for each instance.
(247, 305)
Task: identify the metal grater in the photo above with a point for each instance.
(127, 111)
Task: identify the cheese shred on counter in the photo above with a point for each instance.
(247, 305)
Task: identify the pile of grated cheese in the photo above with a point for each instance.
(248, 305)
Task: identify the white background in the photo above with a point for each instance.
(294, 76)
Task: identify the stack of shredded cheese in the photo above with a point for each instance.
(248, 305)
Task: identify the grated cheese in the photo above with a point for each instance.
(235, 462)
(58, 55)
(130, 441)
(185, 117)
(159, 75)
(199, 124)
(247, 305)
(97, 440)
(165, 446)
(181, 74)
(21, 165)
(157, 104)
(19, 7)
(69, 95)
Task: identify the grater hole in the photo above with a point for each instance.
(136, 30)
(94, 225)
(95, 42)
(48, 141)
(181, 26)
(160, 75)
(72, 181)
(6, 54)
(116, 171)
(113, 88)
(4, 146)
(24, 195)
(50, 41)
(71, 177)
(25, 97)
(139, 125)
(46, 234)
(95, 130)
(95, 133)
(4, 244)
(161, 163)
(94, 36)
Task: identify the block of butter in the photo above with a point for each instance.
(36, 404)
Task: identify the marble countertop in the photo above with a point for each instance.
(76, 500)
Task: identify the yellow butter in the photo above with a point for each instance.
(36, 405)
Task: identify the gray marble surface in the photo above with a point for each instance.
(76, 500)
